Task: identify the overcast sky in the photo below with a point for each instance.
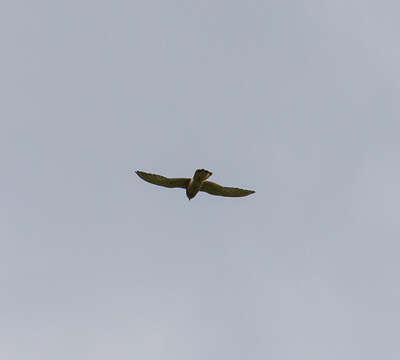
(298, 100)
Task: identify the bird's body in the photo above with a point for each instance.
(196, 181)
(195, 184)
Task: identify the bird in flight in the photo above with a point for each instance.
(197, 183)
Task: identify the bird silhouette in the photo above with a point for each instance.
(195, 184)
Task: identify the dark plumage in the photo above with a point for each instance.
(194, 185)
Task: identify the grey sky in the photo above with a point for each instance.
(297, 100)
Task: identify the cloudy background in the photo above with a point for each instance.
(297, 100)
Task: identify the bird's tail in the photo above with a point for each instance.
(201, 175)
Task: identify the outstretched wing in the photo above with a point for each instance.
(215, 189)
(164, 181)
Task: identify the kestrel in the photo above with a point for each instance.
(195, 184)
